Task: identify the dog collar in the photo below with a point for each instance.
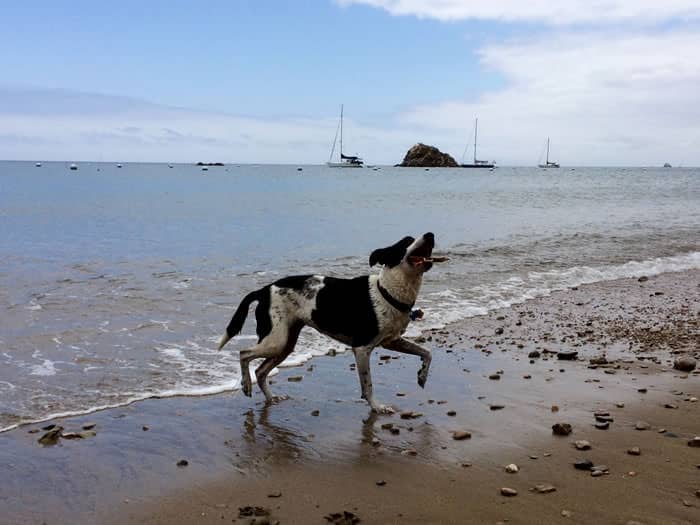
(401, 307)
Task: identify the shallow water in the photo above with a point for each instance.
(115, 284)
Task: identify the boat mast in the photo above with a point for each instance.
(341, 132)
(547, 161)
(476, 126)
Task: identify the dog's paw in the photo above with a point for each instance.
(247, 388)
(382, 409)
(422, 377)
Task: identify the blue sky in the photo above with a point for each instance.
(261, 81)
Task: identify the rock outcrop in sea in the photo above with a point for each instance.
(424, 156)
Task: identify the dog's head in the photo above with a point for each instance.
(407, 253)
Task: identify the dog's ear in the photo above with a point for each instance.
(391, 255)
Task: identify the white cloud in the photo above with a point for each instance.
(544, 11)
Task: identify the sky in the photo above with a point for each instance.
(612, 82)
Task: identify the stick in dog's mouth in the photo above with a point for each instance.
(416, 259)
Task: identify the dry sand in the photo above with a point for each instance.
(301, 467)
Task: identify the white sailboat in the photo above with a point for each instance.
(548, 163)
(477, 163)
(345, 161)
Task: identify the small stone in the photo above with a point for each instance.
(583, 464)
(601, 360)
(567, 356)
(643, 279)
(561, 429)
(294, 379)
(380, 483)
(685, 364)
(566, 513)
(89, 426)
(465, 464)
(276, 494)
(512, 468)
(582, 444)
(409, 414)
(554, 408)
(642, 390)
(597, 473)
(460, 435)
(315, 412)
(495, 377)
(620, 405)
(409, 452)
(508, 492)
(671, 406)
(497, 407)
(145, 428)
(498, 331)
(183, 463)
(634, 451)
(695, 442)
(544, 488)
(687, 503)
(51, 437)
(697, 493)
(395, 431)
(387, 426)
(534, 354)
(452, 413)
(642, 425)
(602, 425)
(527, 376)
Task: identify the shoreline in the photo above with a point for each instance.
(238, 451)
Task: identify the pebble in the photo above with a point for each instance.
(582, 444)
(527, 376)
(183, 463)
(465, 464)
(685, 364)
(695, 442)
(452, 413)
(145, 428)
(543, 488)
(554, 408)
(567, 356)
(497, 407)
(506, 491)
(410, 415)
(276, 494)
(494, 377)
(380, 483)
(409, 452)
(642, 425)
(460, 435)
(583, 464)
(642, 390)
(566, 513)
(534, 354)
(670, 405)
(51, 437)
(89, 426)
(294, 379)
(620, 405)
(602, 425)
(315, 412)
(512, 468)
(634, 451)
(561, 429)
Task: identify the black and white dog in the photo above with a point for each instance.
(363, 313)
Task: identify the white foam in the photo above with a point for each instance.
(44, 369)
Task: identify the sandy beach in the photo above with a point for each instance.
(321, 457)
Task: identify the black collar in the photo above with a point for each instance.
(401, 307)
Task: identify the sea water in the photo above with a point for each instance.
(116, 283)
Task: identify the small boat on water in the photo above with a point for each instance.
(476, 163)
(119, 165)
(73, 167)
(345, 161)
(667, 165)
(38, 164)
(548, 163)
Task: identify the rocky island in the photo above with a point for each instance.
(424, 156)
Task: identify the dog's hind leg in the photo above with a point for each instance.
(270, 347)
(407, 347)
(362, 355)
(270, 363)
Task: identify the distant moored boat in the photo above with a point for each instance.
(477, 163)
(345, 161)
(667, 165)
(38, 164)
(119, 165)
(548, 163)
(73, 167)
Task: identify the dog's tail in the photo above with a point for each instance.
(238, 318)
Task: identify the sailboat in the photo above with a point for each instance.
(477, 163)
(346, 161)
(547, 163)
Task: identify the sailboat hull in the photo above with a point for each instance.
(484, 165)
(343, 165)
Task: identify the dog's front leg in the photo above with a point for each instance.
(362, 355)
(407, 347)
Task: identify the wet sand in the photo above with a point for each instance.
(300, 465)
